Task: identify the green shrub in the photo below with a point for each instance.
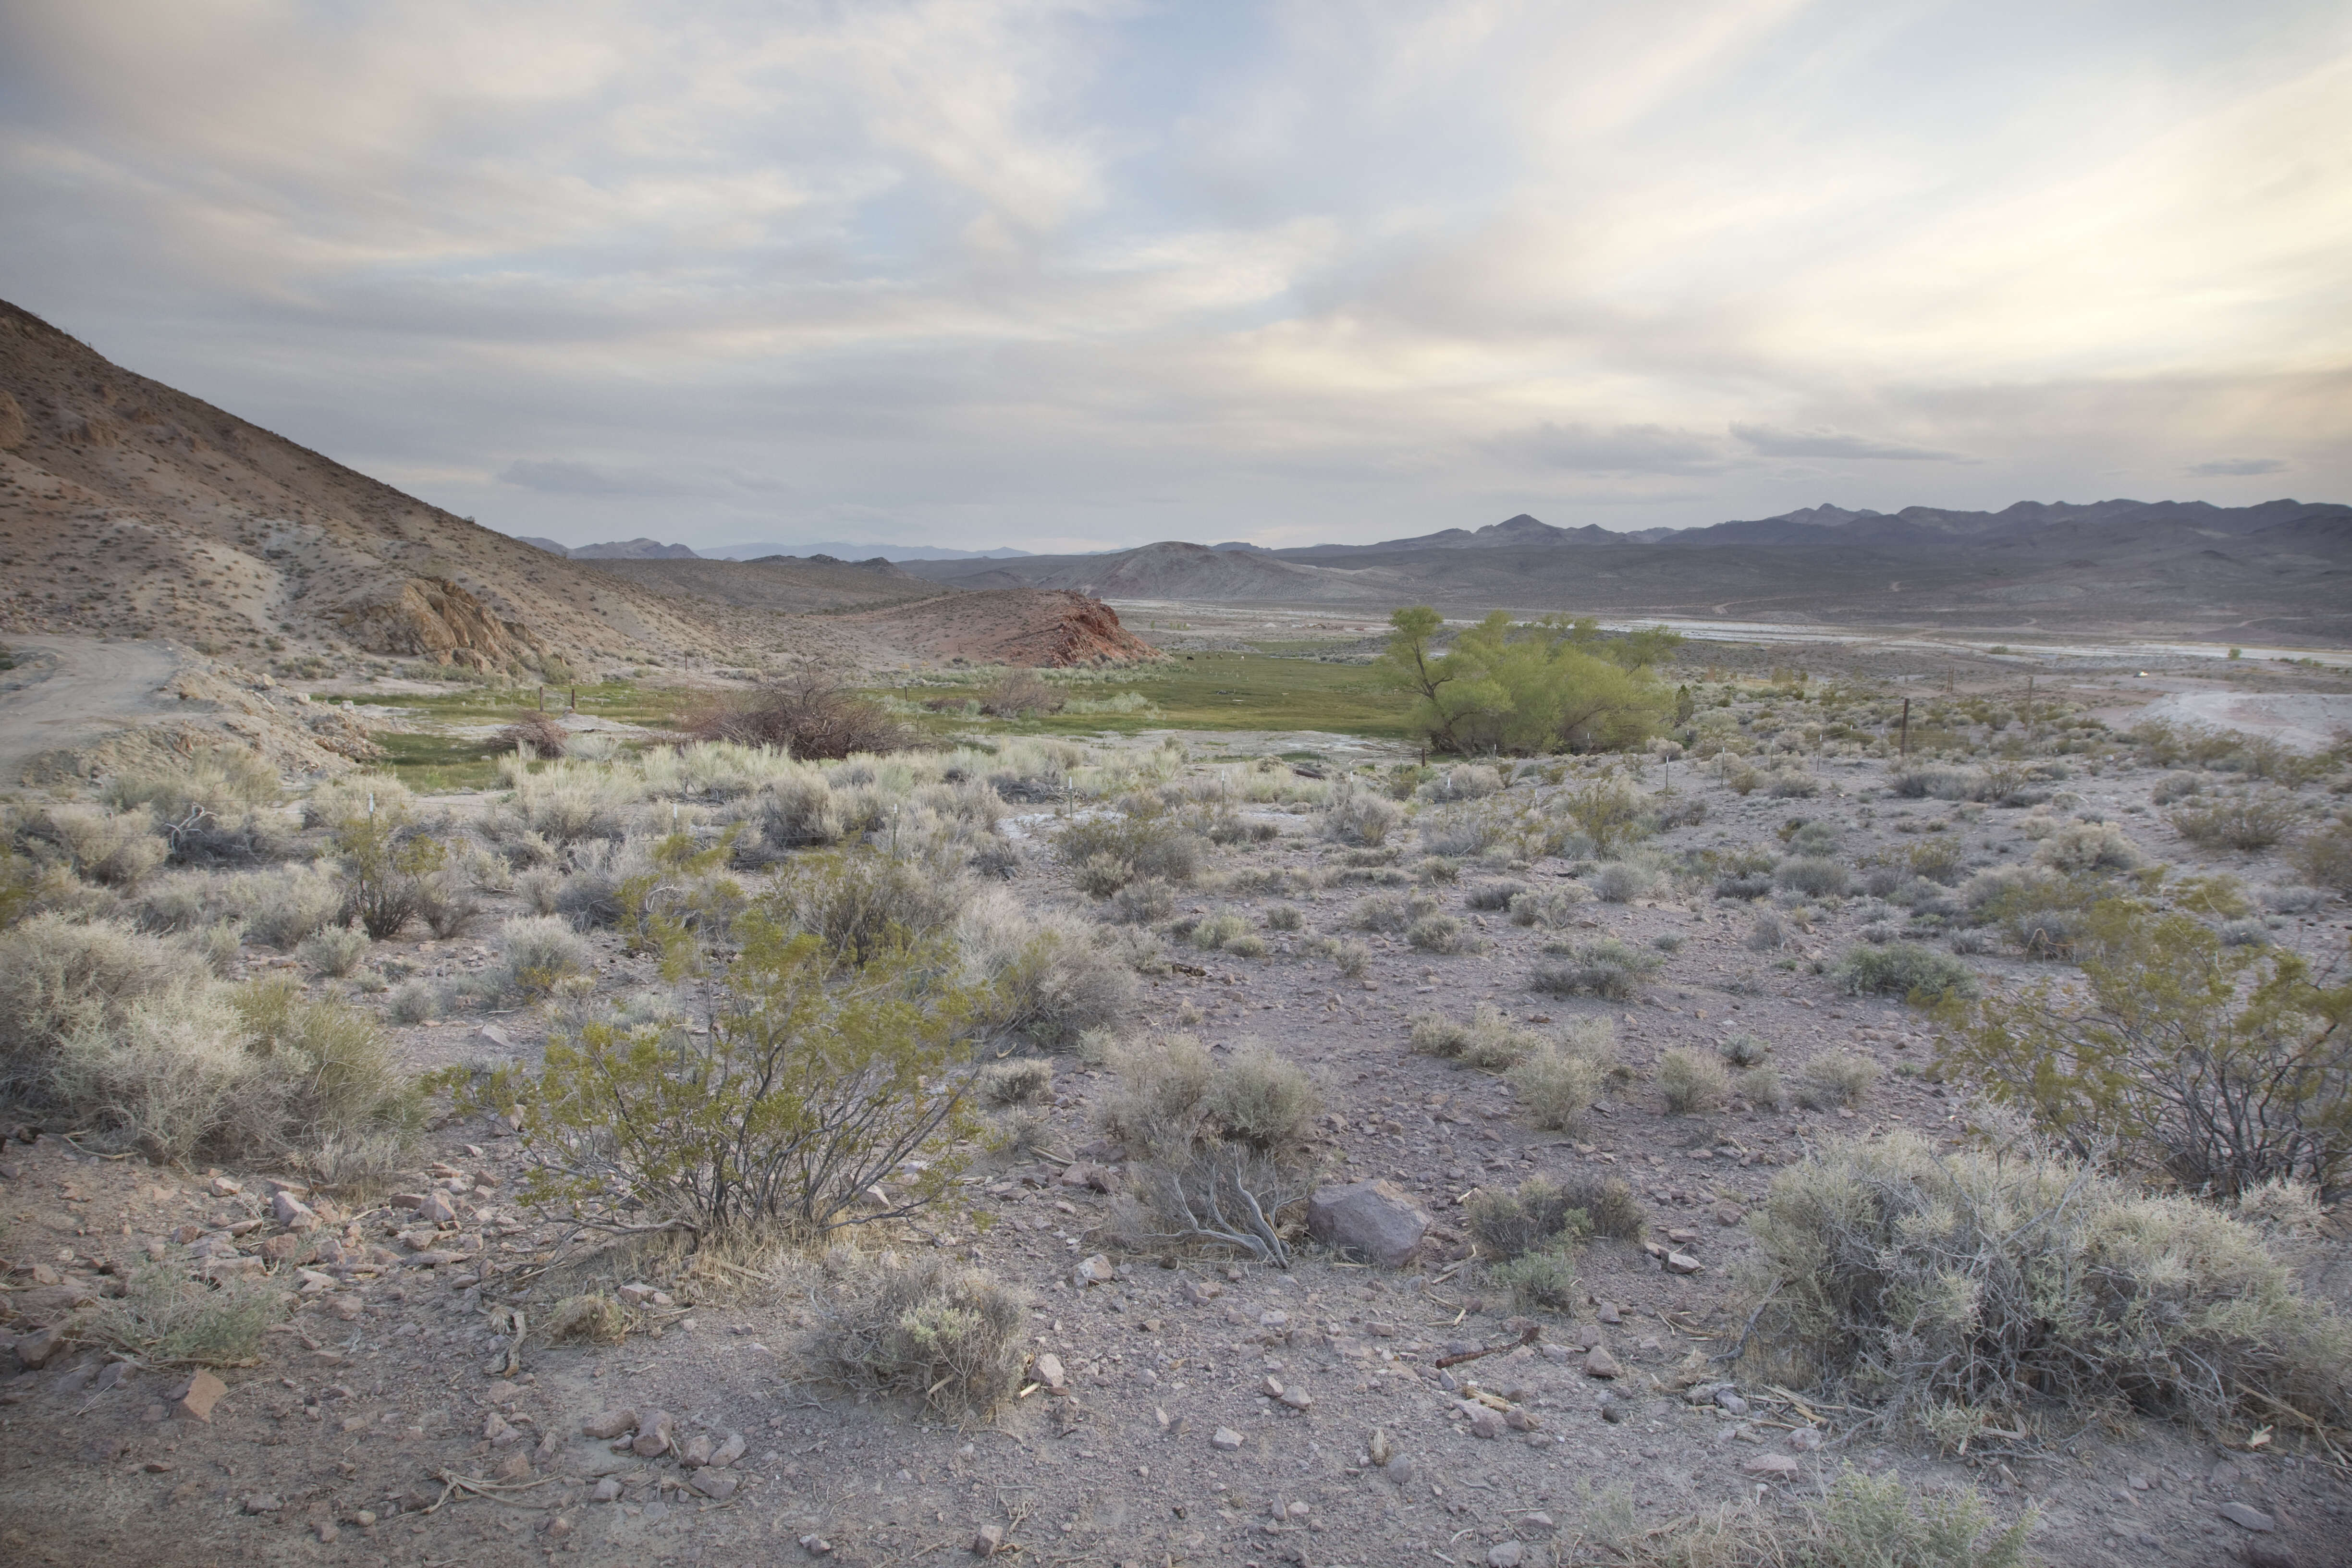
(1487, 1041)
(2325, 859)
(1607, 811)
(1284, 917)
(1173, 1096)
(1609, 1206)
(861, 903)
(2216, 1067)
(2248, 820)
(1691, 1080)
(1745, 1050)
(57, 976)
(1622, 881)
(536, 953)
(1760, 1087)
(1813, 876)
(1354, 814)
(2080, 847)
(813, 1078)
(1540, 1281)
(1050, 979)
(1494, 895)
(1556, 1086)
(1908, 969)
(954, 1337)
(1538, 1217)
(1393, 914)
(1551, 909)
(1440, 934)
(1217, 930)
(1141, 836)
(334, 950)
(1957, 1290)
(1606, 968)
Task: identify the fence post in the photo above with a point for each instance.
(1907, 729)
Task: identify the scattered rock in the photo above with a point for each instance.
(223, 1187)
(1373, 1220)
(1399, 1470)
(515, 1467)
(1805, 1439)
(716, 1484)
(637, 1295)
(1729, 1214)
(1505, 1554)
(35, 1350)
(1226, 1440)
(609, 1426)
(1778, 1467)
(1610, 1314)
(262, 1503)
(606, 1491)
(289, 1210)
(1484, 1423)
(1378, 1448)
(1297, 1398)
(1599, 1363)
(437, 1208)
(195, 1402)
(657, 1430)
(988, 1541)
(816, 1545)
(1537, 1524)
(2247, 1517)
(1095, 1270)
(1681, 1263)
(1201, 1291)
(697, 1452)
(1050, 1372)
(729, 1452)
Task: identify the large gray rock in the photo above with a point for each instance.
(1374, 1220)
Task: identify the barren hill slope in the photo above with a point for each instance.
(129, 509)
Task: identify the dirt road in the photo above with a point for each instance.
(2308, 722)
(68, 691)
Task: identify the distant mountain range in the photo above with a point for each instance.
(2280, 571)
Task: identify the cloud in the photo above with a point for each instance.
(1616, 449)
(556, 477)
(1778, 443)
(1012, 270)
(2235, 468)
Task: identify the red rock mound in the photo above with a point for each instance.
(1052, 627)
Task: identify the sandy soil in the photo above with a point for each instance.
(72, 692)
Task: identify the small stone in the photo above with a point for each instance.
(196, 1401)
(1682, 1237)
(609, 1426)
(1610, 1314)
(1484, 1423)
(437, 1208)
(988, 1541)
(326, 1532)
(656, 1431)
(1805, 1439)
(1095, 1270)
(1050, 1372)
(1518, 1419)
(816, 1545)
(607, 1490)
(1271, 1386)
(716, 1484)
(637, 1295)
(729, 1452)
(1537, 1524)
(1505, 1554)
(697, 1452)
(1201, 1291)
(1226, 1440)
(1599, 1363)
(1779, 1466)
(1399, 1469)
(495, 1427)
(1731, 1402)
(1729, 1214)
(1297, 1398)
(289, 1210)
(1614, 1413)
(558, 1528)
(1681, 1263)
(262, 1503)
(515, 1467)
(2248, 1518)
(223, 1187)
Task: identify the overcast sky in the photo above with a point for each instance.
(1069, 276)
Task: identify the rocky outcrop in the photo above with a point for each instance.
(432, 618)
(1372, 1220)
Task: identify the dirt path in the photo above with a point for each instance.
(2307, 721)
(68, 691)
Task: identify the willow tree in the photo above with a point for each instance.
(1518, 688)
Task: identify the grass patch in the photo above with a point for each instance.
(1219, 691)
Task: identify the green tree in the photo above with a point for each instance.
(1523, 689)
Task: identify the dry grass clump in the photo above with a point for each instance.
(1141, 838)
(1541, 1216)
(591, 1318)
(1609, 1206)
(1049, 978)
(2080, 847)
(334, 950)
(862, 903)
(954, 1337)
(541, 734)
(808, 717)
(1493, 894)
(1836, 1079)
(1692, 1080)
(536, 953)
(1391, 914)
(1173, 1094)
(1023, 1082)
(1622, 881)
(1487, 1041)
(57, 976)
(1860, 1521)
(1551, 908)
(1760, 1087)
(1814, 876)
(1557, 1084)
(1354, 814)
(1443, 934)
(1021, 692)
(1607, 968)
(208, 806)
(1960, 1290)
(166, 1319)
(113, 849)
(2325, 858)
(1286, 917)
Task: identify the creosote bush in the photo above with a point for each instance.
(2249, 820)
(1354, 812)
(334, 950)
(1957, 1290)
(1836, 1079)
(954, 1337)
(1543, 1281)
(2216, 1067)
(806, 717)
(1025, 1081)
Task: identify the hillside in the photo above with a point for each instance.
(1170, 570)
(129, 509)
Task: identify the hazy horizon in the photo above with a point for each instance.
(1082, 276)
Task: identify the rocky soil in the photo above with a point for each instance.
(1186, 1410)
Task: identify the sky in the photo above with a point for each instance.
(1077, 276)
